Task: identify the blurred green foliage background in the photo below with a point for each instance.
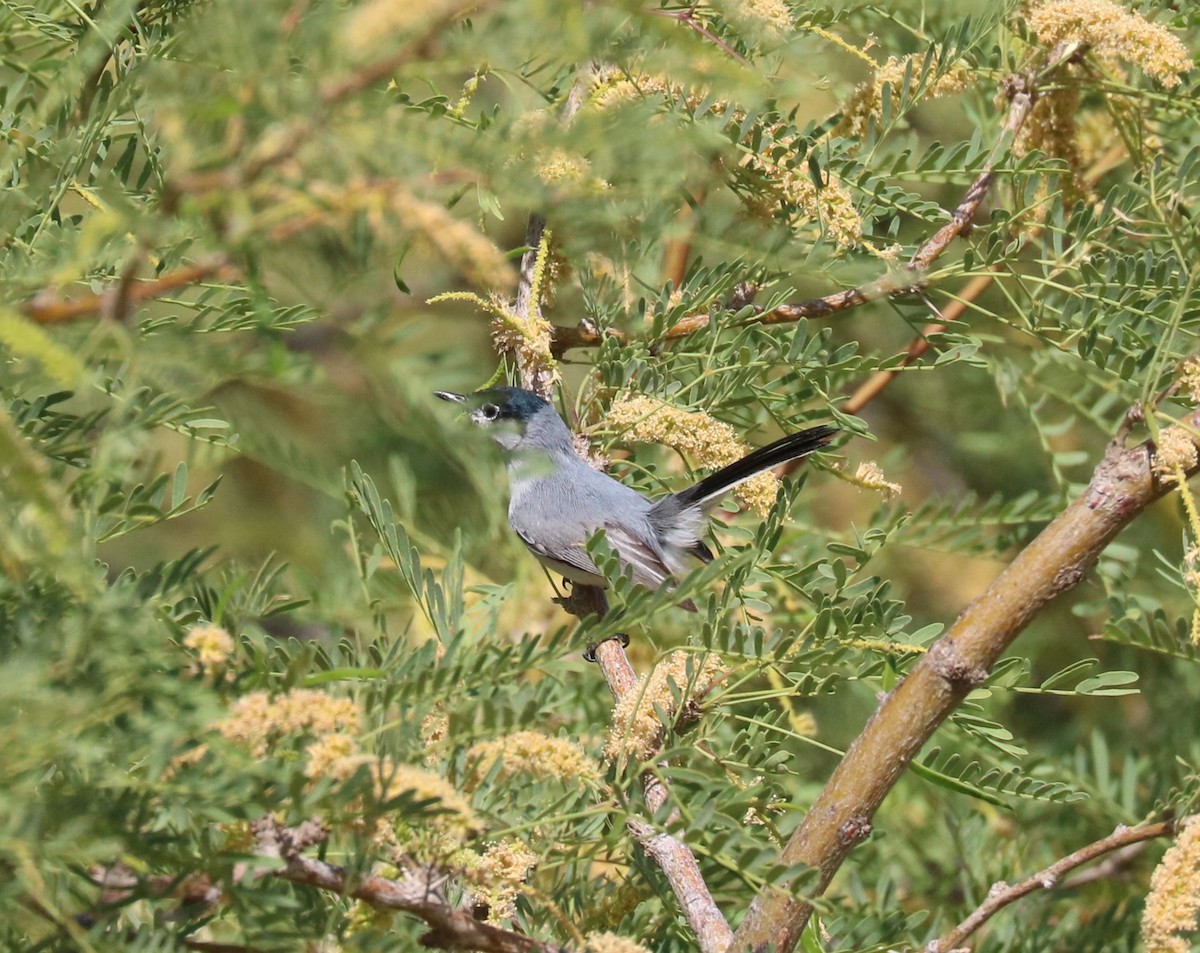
(222, 224)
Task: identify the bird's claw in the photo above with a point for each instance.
(589, 654)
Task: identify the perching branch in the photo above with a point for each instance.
(1002, 894)
(672, 855)
(1122, 486)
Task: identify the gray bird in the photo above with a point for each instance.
(558, 502)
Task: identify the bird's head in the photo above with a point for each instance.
(510, 415)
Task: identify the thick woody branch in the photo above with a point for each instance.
(1002, 894)
(1122, 486)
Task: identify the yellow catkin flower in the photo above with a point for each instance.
(1113, 33)
(424, 785)
(708, 442)
(456, 240)
(558, 165)
(1191, 569)
(770, 19)
(497, 876)
(331, 756)
(831, 205)
(256, 721)
(870, 477)
(379, 22)
(435, 728)
(1052, 128)
(531, 752)
(612, 943)
(635, 725)
(213, 646)
(569, 172)
(1175, 448)
(1189, 379)
(25, 338)
(1174, 898)
(867, 99)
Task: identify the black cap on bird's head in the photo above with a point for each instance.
(505, 411)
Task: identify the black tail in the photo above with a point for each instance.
(791, 447)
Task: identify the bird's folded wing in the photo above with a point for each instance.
(648, 567)
(574, 556)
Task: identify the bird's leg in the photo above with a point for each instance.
(583, 601)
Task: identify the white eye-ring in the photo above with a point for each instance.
(490, 411)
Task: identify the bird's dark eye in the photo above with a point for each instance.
(490, 411)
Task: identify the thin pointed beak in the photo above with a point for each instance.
(450, 396)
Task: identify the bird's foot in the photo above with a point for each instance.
(589, 654)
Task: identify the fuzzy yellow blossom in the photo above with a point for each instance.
(1113, 33)
(457, 241)
(1174, 898)
(615, 88)
(212, 644)
(531, 752)
(434, 729)
(1052, 128)
(612, 943)
(1175, 449)
(495, 878)
(256, 721)
(569, 171)
(558, 165)
(770, 18)
(1189, 379)
(710, 443)
(870, 477)
(331, 756)
(337, 756)
(867, 99)
(380, 21)
(424, 785)
(186, 759)
(635, 724)
(831, 206)
(528, 339)
(1191, 569)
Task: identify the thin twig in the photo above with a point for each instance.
(907, 281)
(46, 308)
(450, 928)
(688, 18)
(1002, 894)
(419, 893)
(873, 386)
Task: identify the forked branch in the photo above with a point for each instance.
(1002, 894)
